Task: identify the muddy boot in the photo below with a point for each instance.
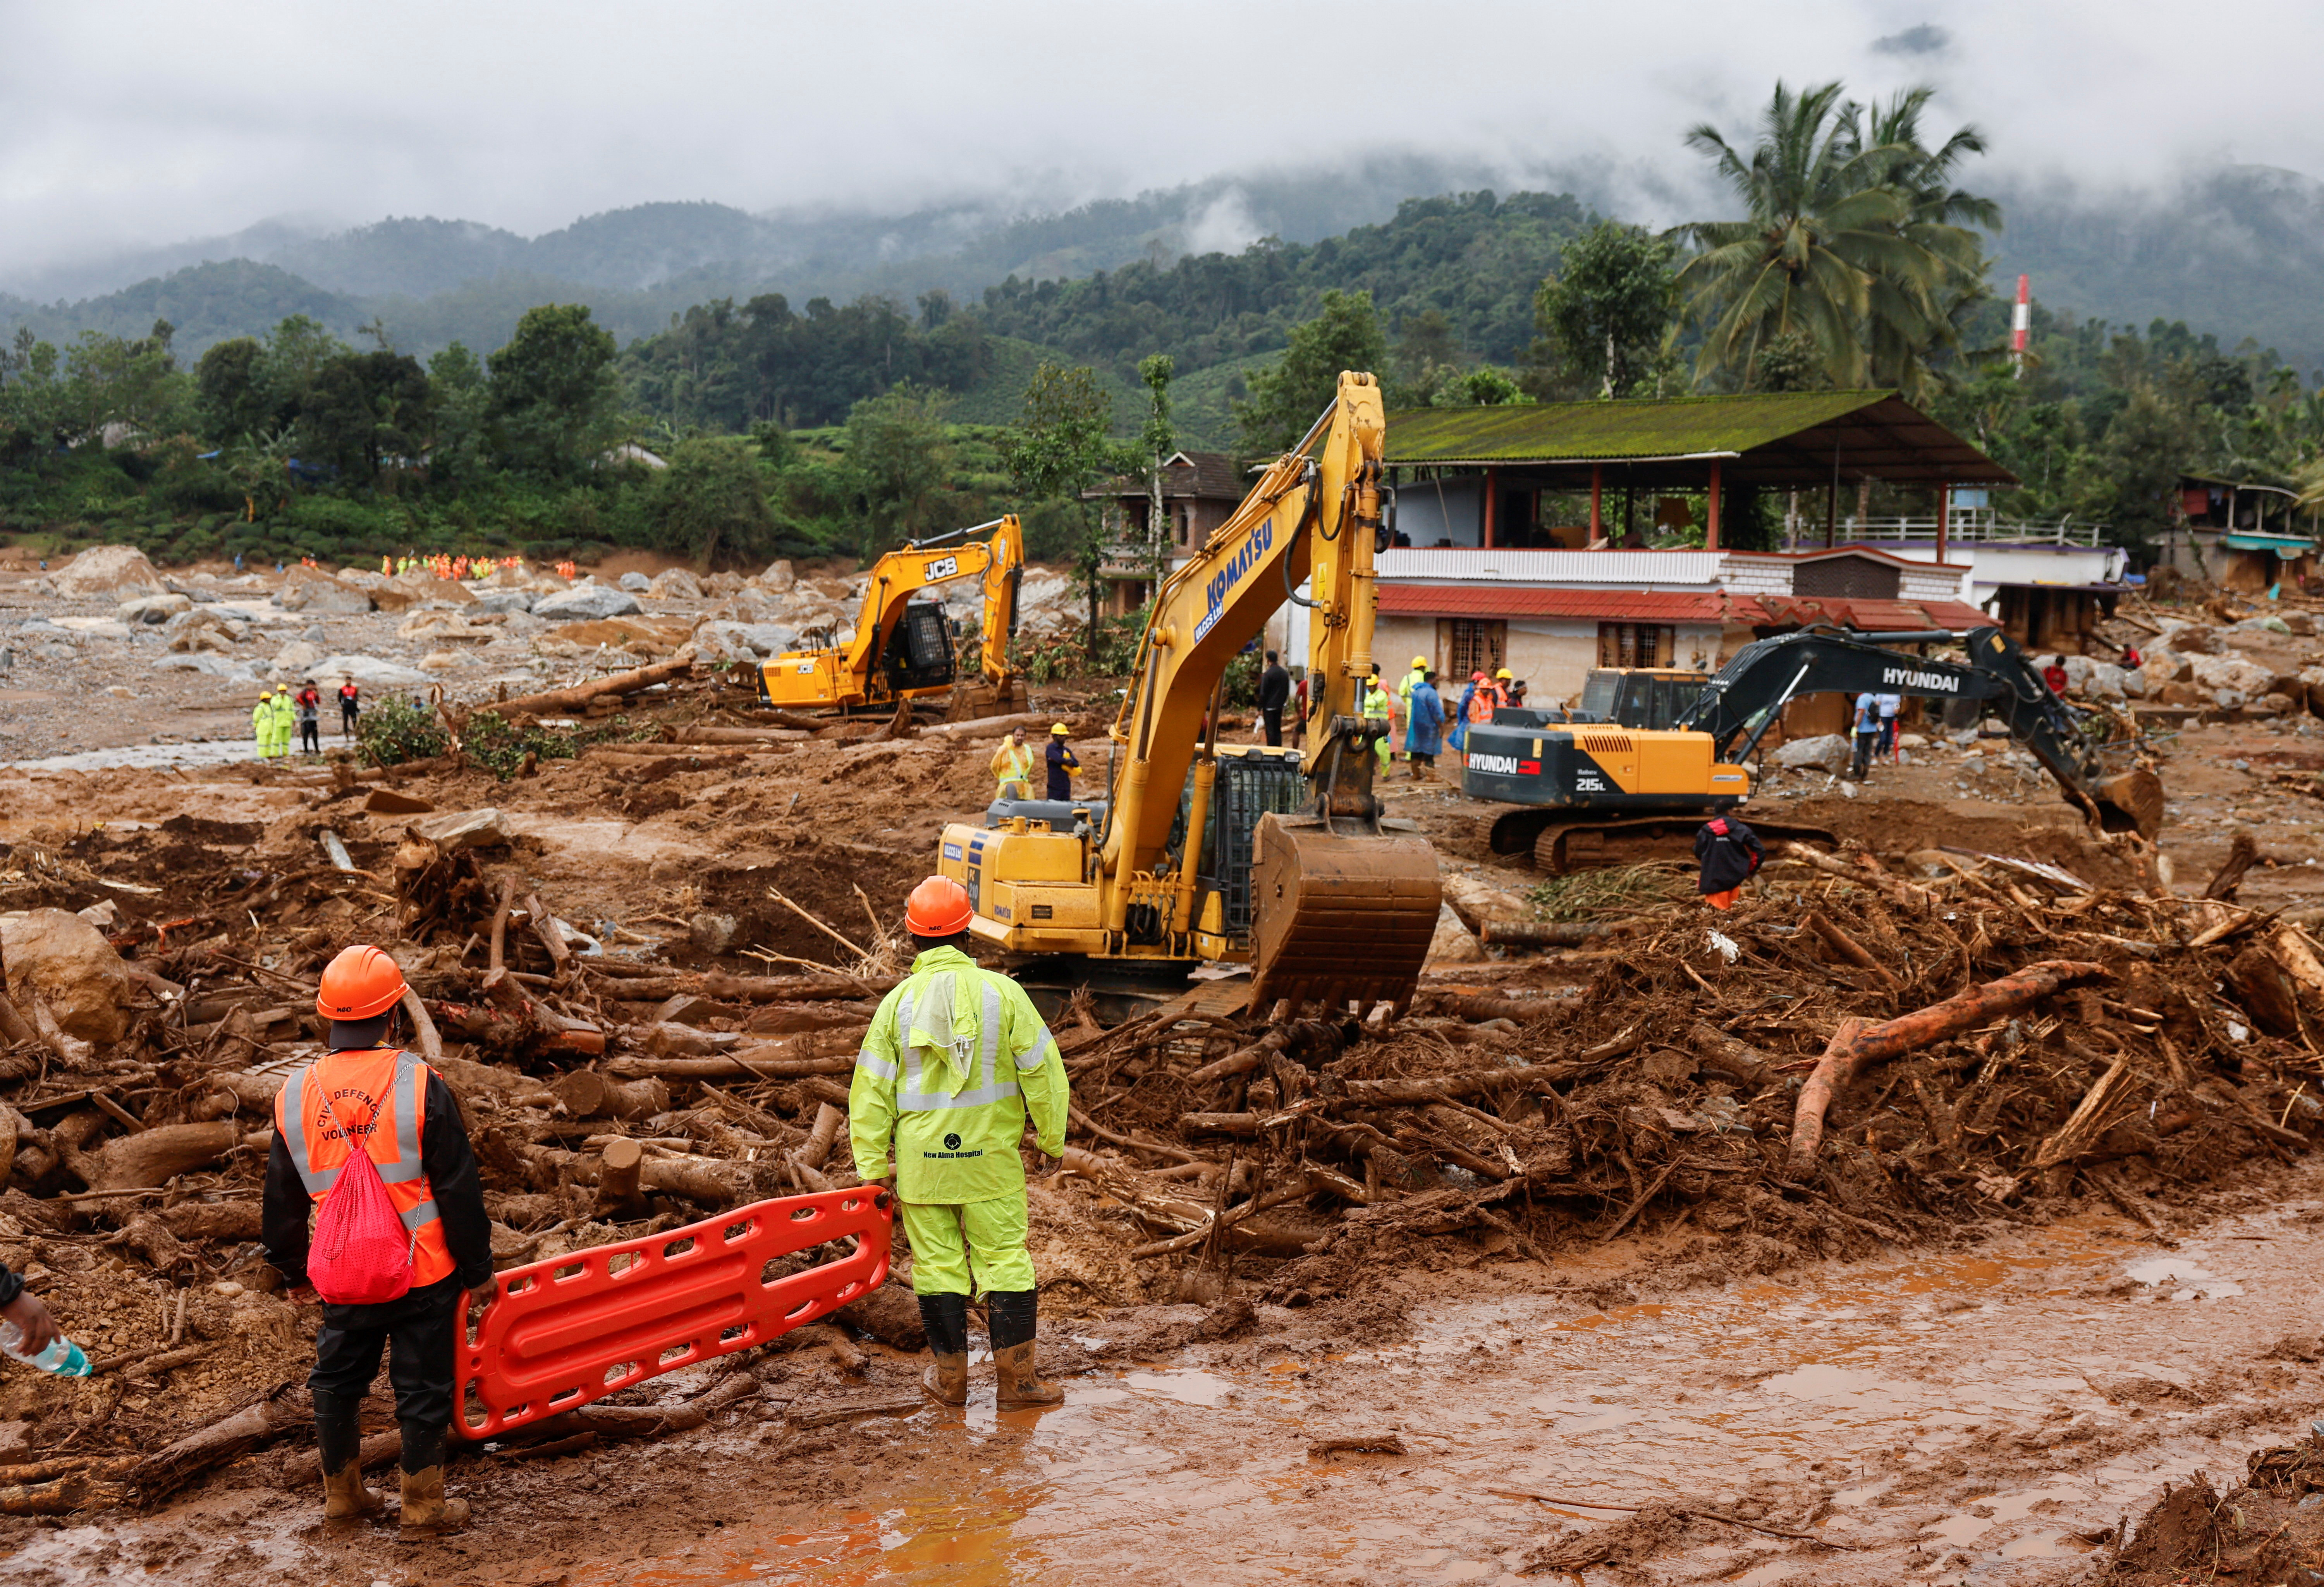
(946, 1318)
(425, 1507)
(1014, 1312)
(338, 1441)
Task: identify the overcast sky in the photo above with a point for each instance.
(135, 123)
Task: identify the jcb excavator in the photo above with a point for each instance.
(902, 649)
(1209, 851)
(1601, 794)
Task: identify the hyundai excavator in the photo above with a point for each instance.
(1204, 851)
(1602, 793)
(902, 648)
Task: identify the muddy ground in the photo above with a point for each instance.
(1974, 1375)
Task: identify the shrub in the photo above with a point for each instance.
(392, 730)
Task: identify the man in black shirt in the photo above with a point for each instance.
(1274, 694)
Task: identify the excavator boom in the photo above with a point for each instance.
(1205, 851)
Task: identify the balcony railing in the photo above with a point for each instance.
(1965, 524)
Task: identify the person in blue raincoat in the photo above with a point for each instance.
(1423, 728)
(1460, 716)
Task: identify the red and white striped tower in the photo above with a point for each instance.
(2021, 324)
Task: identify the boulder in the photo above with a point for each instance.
(181, 630)
(2282, 705)
(93, 627)
(673, 583)
(299, 657)
(370, 671)
(2264, 625)
(505, 600)
(1453, 944)
(442, 626)
(778, 576)
(2165, 666)
(363, 578)
(2230, 699)
(465, 829)
(2134, 683)
(1827, 751)
(442, 661)
(2098, 680)
(585, 602)
(2193, 640)
(715, 640)
(637, 583)
(727, 583)
(120, 571)
(309, 589)
(68, 963)
(158, 608)
(2230, 672)
(393, 596)
(1476, 900)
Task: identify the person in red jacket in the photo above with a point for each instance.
(365, 1089)
(2054, 675)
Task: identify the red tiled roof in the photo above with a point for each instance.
(1869, 616)
(1508, 600)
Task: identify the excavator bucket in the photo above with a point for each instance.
(2129, 801)
(1339, 915)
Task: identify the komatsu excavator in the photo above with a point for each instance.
(902, 648)
(1601, 793)
(1204, 851)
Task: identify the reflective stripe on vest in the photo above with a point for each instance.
(405, 1091)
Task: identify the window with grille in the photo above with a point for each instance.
(1471, 644)
(1635, 644)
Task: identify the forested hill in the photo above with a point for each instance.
(1473, 259)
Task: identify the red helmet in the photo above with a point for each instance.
(362, 983)
(938, 907)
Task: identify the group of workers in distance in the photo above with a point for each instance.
(279, 712)
(1013, 762)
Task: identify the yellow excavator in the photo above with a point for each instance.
(902, 649)
(1204, 851)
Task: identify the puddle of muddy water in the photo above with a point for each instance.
(1837, 1402)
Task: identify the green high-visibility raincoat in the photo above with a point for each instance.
(953, 1114)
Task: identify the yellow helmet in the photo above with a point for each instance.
(1420, 661)
(1061, 730)
(1504, 672)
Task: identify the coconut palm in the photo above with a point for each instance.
(1906, 323)
(1824, 222)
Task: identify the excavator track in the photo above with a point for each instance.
(1563, 846)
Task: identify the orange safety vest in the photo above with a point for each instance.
(1482, 703)
(381, 1095)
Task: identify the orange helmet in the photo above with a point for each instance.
(938, 907)
(362, 983)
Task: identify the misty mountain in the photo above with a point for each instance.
(2237, 251)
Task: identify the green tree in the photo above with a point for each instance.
(899, 462)
(458, 400)
(711, 503)
(1285, 400)
(1426, 348)
(1603, 317)
(1059, 449)
(1914, 316)
(1157, 438)
(556, 399)
(230, 388)
(366, 411)
(1821, 221)
(1486, 386)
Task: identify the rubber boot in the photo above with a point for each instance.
(1015, 1313)
(946, 1318)
(425, 1507)
(338, 1441)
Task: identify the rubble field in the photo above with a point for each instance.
(648, 922)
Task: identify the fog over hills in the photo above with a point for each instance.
(2234, 250)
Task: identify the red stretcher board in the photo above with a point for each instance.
(571, 1329)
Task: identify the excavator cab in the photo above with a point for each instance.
(919, 653)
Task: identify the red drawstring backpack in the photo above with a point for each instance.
(361, 1254)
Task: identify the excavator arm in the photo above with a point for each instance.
(1748, 694)
(848, 675)
(1344, 909)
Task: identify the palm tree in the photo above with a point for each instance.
(1825, 223)
(1907, 323)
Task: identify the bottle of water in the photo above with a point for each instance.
(63, 1357)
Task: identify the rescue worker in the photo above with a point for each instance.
(310, 704)
(1063, 763)
(410, 1123)
(262, 725)
(350, 704)
(1410, 681)
(1274, 694)
(1013, 764)
(1729, 854)
(1378, 704)
(1501, 696)
(286, 720)
(1424, 728)
(955, 1062)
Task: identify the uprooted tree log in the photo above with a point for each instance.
(1856, 1047)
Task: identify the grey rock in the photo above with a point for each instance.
(1828, 751)
(152, 608)
(505, 600)
(588, 602)
(465, 829)
(636, 583)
